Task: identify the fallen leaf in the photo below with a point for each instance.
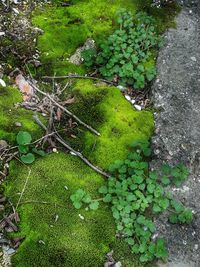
(69, 101)
(58, 114)
(25, 88)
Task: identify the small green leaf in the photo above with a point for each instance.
(39, 152)
(173, 218)
(23, 149)
(165, 180)
(103, 189)
(107, 198)
(156, 208)
(23, 138)
(94, 205)
(151, 188)
(28, 158)
(77, 205)
(87, 199)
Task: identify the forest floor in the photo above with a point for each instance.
(38, 39)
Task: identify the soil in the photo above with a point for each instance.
(176, 96)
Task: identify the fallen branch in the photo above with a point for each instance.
(66, 110)
(61, 141)
(78, 77)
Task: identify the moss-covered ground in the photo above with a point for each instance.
(67, 28)
(55, 233)
(71, 241)
(10, 114)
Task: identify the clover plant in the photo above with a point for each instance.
(136, 195)
(126, 55)
(26, 150)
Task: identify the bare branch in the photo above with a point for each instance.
(66, 110)
(61, 141)
(78, 77)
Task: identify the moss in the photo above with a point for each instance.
(67, 28)
(69, 241)
(119, 124)
(10, 114)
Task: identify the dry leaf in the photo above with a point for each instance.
(58, 114)
(69, 101)
(24, 87)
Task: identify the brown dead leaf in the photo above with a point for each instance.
(58, 114)
(69, 101)
(24, 87)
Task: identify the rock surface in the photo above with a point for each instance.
(176, 94)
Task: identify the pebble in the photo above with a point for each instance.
(193, 59)
(55, 150)
(3, 144)
(16, 11)
(2, 33)
(138, 107)
(10, 251)
(18, 124)
(196, 246)
(2, 83)
(118, 264)
(128, 97)
(133, 101)
(121, 87)
(81, 217)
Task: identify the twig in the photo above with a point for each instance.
(66, 110)
(78, 77)
(25, 184)
(61, 141)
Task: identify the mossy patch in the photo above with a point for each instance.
(10, 114)
(114, 117)
(67, 240)
(67, 28)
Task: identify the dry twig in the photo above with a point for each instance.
(61, 141)
(65, 110)
(78, 77)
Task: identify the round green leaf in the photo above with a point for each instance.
(23, 138)
(28, 158)
(103, 189)
(107, 198)
(23, 149)
(94, 205)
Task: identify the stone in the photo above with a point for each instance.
(76, 58)
(128, 97)
(178, 136)
(18, 124)
(138, 107)
(2, 83)
(3, 144)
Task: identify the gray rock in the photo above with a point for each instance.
(18, 124)
(3, 144)
(76, 58)
(176, 94)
